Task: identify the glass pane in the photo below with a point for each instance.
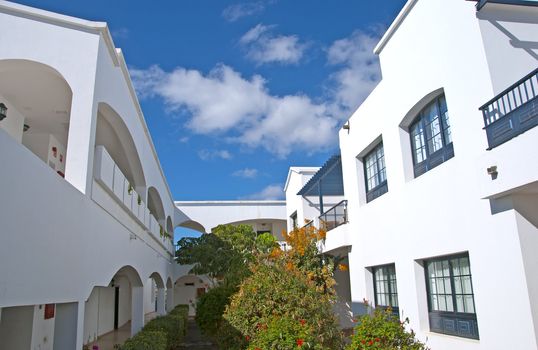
(435, 302)
(459, 303)
(448, 287)
(457, 285)
(467, 287)
(469, 304)
(417, 139)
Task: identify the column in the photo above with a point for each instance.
(169, 299)
(160, 302)
(137, 309)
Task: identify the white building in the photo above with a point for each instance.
(440, 173)
(86, 212)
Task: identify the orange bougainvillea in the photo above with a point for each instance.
(300, 239)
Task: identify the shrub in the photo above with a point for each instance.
(210, 307)
(277, 291)
(284, 333)
(147, 340)
(172, 325)
(383, 330)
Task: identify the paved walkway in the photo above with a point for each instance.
(118, 336)
(195, 340)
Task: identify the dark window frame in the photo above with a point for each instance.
(431, 158)
(382, 185)
(390, 294)
(461, 324)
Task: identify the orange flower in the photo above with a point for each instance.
(343, 267)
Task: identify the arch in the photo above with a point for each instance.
(169, 283)
(417, 107)
(193, 225)
(155, 205)
(131, 274)
(158, 279)
(113, 134)
(169, 225)
(39, 101)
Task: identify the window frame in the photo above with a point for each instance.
(451, 322)
(441, 155)
(390, 294)
(382, 187)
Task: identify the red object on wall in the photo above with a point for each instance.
(54, 151)
(49, 311)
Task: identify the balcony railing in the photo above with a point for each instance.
(513, 111)
(334, 217)
(109, 175)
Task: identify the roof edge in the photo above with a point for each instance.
(394, 26)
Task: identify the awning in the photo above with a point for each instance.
(327, 181)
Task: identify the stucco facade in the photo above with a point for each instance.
(458, 199)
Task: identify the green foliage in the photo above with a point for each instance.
(224, 253)
(275, 291)
(284, 333)
(211, 306)
(384, 331)
(161, 333)
(265, 243)
(147, 340)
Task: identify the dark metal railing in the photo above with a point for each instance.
(334, 217)
(513, 111)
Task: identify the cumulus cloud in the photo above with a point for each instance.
(225, 102)
(206, 154)
(246, 173)
(234, 12)
(359, 69)
(262, 46)
(242, 110)
(271, 192)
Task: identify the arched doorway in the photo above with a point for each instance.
(118, 305)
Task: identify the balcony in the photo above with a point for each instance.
(109, 175)
(334, 217)
(512, 112)
(482, 3)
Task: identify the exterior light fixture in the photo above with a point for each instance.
(346, 126)
(3, 111)
(492, 171)
(26, 127)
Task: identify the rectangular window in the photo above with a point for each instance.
(375, 173)
(431, 137)
(385, 287)
(450, 296)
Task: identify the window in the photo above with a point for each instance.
(375, 173)
(431, 137)
(293, 218)
(450, 296)
(385, 288)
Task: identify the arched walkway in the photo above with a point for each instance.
(112, 307)
(38, 99)
(112, 133)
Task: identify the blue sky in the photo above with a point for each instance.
(235, 92)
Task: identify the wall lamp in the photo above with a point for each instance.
(346, 126)
(492, 171)
(3, 111)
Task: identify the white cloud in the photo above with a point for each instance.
(241, 110)
(206, 154)
(184, 139)
(234, 12)
(262, 46)
(271, 192)
(246, 173)
(224, 102)
(360, 71)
